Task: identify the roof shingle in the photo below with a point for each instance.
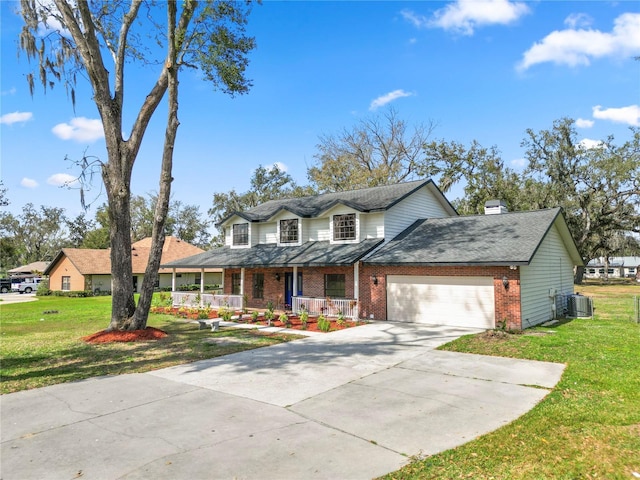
(91, 261)
(505, 239)
(364, 200)
(316, 254)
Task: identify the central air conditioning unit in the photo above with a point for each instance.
(579, 306)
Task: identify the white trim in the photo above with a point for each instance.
(294, 287)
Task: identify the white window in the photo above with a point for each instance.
(240, 234)
(289, 230)
(344, 227)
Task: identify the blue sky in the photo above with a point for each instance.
(483, 70)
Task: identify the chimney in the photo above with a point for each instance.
(495, 207)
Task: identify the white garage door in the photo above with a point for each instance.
(456, 301)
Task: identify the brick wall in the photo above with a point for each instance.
(274, 290)
(373, 298)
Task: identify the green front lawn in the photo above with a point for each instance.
(39, 349)
(588, 427)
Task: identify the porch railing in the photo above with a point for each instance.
(191, 299)
(330, 307)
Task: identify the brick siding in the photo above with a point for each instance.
(373, 298)
(274, 290)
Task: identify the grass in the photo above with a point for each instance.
(39, 349)
(587, 427)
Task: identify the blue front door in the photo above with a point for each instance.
(288, 286)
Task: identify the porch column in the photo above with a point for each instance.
(222, 282)
(201, 287)
(173, 279)
(242, 281)
(356, 288)
(295, 284)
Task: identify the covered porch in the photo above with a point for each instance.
(319, 277)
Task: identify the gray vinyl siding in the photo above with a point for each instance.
(551, 268)
(371, 225)
(318, 230)
(420, 204)
(267, 232)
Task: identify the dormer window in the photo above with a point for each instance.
(289, 231)
(241, 234)
(344, 227)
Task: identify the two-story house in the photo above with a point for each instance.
(397, 252)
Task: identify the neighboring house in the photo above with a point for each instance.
(90, 269)
(400, 253)
(617, 267)
(34, 269)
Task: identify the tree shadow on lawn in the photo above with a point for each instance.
(79, 361)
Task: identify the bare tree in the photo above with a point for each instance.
(82, 38)
(380, 150)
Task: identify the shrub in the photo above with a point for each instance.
(269, 315)
(304, 318)
(101, 293)
(225, 314)
(254, 316)
(285, 320)
(43, 288)
(324, 325)
(72, 293)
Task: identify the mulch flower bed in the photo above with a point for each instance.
(105, 336)
(294, 320)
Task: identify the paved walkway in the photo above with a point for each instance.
(353, 404)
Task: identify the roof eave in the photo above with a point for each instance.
(518, 263)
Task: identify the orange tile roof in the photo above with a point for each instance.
(90, 261)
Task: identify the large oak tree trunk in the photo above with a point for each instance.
(122, 301)
(141, 314)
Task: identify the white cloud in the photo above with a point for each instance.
(413, 18)
(28, 183)
(589, 143)
(575, 47)
(80, 129)
(578, 20)
(15, 117)
(62, 180)
(584, 123)
(52, 23)
(388, 98)
(11, 91)
(519, 162)
(629, 115)
(464, 16)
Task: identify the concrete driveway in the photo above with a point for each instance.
(353, 404)
(6, 298)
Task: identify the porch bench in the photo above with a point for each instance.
(215, 324)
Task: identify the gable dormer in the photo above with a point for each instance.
(238, 232)
(344, 224)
